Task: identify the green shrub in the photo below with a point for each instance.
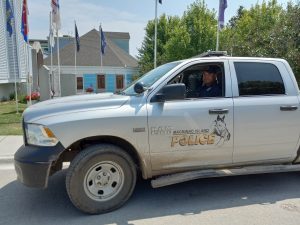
(22, 99)
(12, 96)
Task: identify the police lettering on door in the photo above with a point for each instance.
(218, 134)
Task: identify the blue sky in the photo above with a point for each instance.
(115, 15)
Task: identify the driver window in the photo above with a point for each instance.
(202, 81)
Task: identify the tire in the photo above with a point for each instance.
(100, 179)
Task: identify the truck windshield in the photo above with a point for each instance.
(151, 77)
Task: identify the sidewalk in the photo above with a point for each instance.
(8, 146)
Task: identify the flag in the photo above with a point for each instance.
(51, 33)
(77, 39)
(103, 42)
(160, 1)
(55, 14)
(222, 7)
(9, 17)
(24, 26)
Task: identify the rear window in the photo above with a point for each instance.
(258, 79)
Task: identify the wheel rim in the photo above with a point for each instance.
(103, 181)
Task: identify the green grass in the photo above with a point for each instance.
(10, 121)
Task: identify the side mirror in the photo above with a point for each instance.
(170, 92)
(158, 98)
(139, 88)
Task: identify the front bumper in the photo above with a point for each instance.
(33, 164)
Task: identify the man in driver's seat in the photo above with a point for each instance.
(209, 86)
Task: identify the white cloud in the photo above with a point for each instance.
(88, 16)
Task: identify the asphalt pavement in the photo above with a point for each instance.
(267, 199)
(8, 146)
(270, 199)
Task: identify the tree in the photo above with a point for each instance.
(178, 44)
(233, 21)
(265, 30)
(251, 32)
(179, 38)
(201, 24)
(286, 37)
(165, 27)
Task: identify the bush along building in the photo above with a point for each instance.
(117, 70)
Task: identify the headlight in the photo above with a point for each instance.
(40, 135)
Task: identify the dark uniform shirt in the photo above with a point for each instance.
(209, 91)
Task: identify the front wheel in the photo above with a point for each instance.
(100, 179)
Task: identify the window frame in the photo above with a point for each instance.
(78, 89)
(258, 62)
(98, 80)
(228, 92)
(123, 77)
(220, 64)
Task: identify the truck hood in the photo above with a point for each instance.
(73, 104)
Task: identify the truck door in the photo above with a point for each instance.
(266, 116)
(196, 131)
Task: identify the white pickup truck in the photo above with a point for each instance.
(200, 117)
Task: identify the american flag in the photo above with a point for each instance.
(24, 26)
(55, 14)
(51, 34)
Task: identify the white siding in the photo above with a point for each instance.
(13, 62)
(12, 49)
(3, 49)
(21, 45)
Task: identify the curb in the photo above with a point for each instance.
(7, 159)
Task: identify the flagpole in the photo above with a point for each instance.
(28, 72)
(75, 48)
(218, 27)
(16, 90)
(14, 63)
(218, 36)
(27, 50)
(51, 57)
(155, 35)
(51, 73)
(29, 79)
(58, 64)
(56, 20)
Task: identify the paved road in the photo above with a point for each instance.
(9, 145)
(258, 199)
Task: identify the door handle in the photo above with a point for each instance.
(288, 108)
(218, 111)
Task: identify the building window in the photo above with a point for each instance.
(120, 81)
(79, 83)
(101, 81)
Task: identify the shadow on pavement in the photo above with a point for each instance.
(21, 205)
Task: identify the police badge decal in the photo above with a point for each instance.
(220, 130)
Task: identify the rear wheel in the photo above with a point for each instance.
(100, 179)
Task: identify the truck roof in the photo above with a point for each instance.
(232, 58)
